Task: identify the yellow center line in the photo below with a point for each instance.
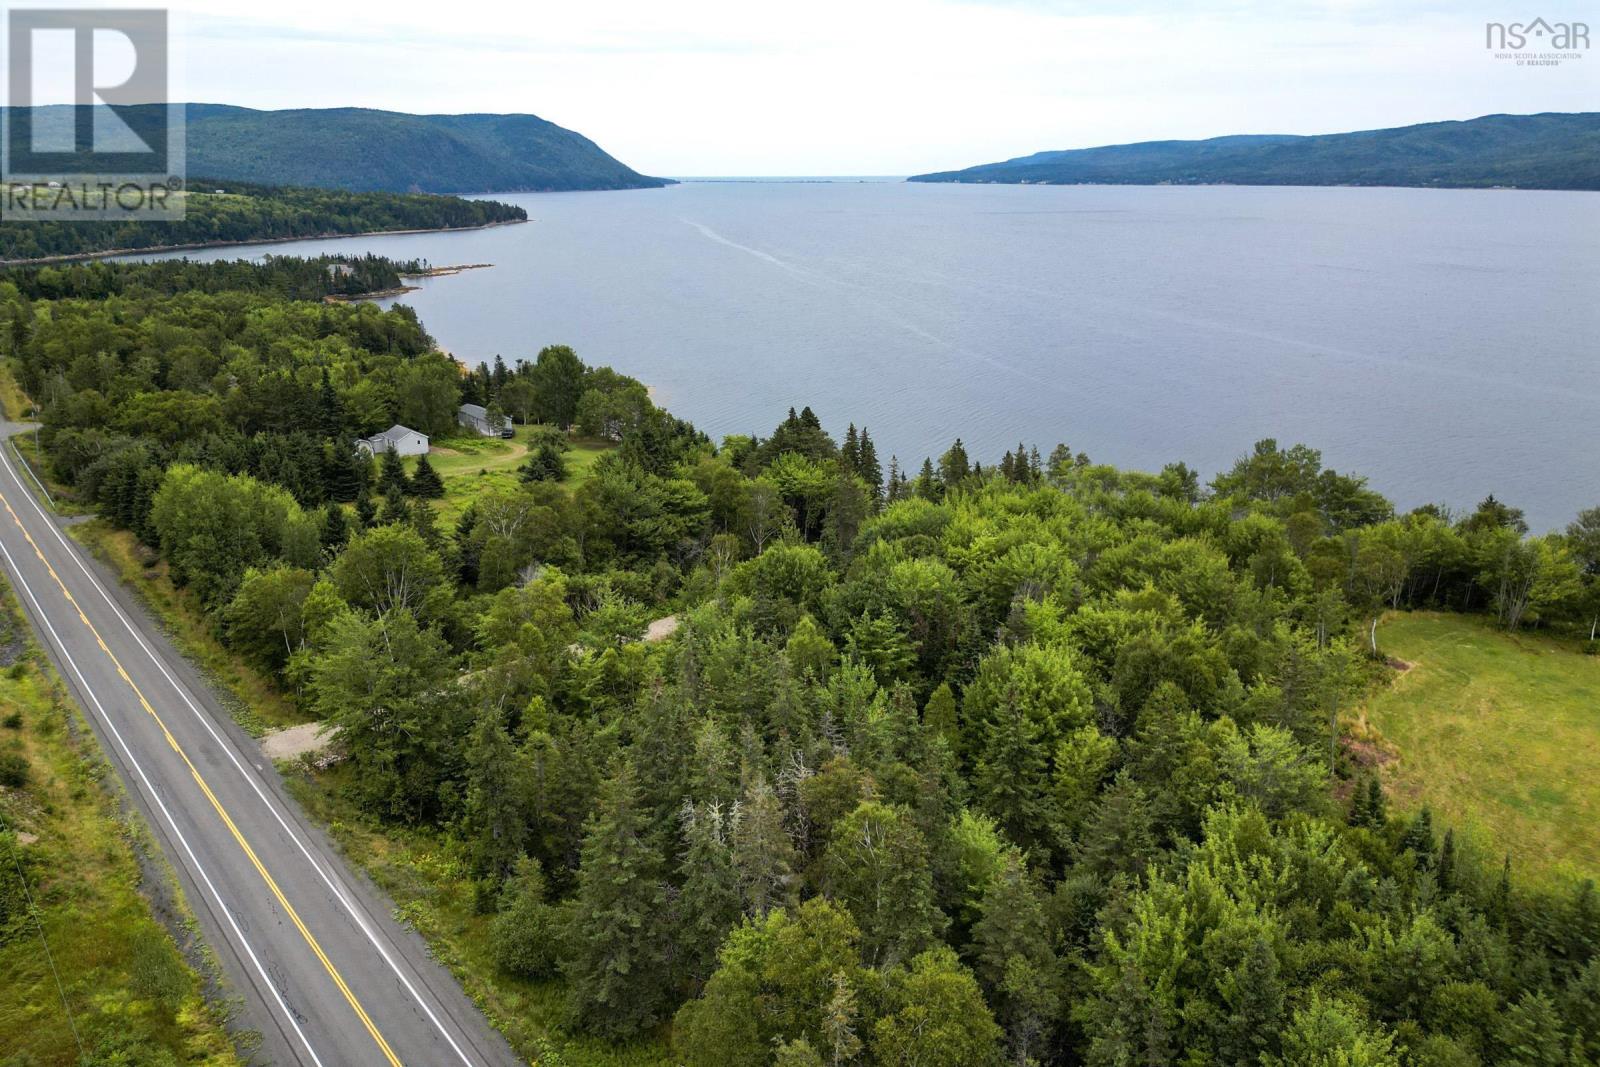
(333, 972)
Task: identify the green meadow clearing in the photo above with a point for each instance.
(1500, 735)
(471, 464)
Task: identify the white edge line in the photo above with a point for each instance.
(156, 799)
(12, 442)
(205, 721)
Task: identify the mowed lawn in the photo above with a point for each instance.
(1500, 735)
(470, 465)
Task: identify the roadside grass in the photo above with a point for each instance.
(14, 403)
(133, 997)
(253, 700)
(431, 886)
(470, 464)
(36, 476)
(1497, 733)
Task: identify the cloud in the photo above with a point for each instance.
(890, 86)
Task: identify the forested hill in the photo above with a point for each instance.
(363, 149)
(1548, 151)
(357, 147)
(217, 214)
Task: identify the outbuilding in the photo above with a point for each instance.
(476, 417)
(404, 440)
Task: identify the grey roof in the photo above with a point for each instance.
(476, 411)
(393, 434)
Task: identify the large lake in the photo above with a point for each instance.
(1444, 343)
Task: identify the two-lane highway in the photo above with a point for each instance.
(327, 976)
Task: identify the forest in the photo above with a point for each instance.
(1546, 151)
(220, 212)
(976, 760)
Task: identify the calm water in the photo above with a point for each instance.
(1445, 343)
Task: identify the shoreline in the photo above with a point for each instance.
(401, 290)
(112, 253)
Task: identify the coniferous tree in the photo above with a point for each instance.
(709, 904)
(467, 547)
(544, 464)
(526, 932)
(426, 523)
(1013, 958)
(366, 511)
(1582, 940)
(364, 467)
(1446, 872)
(1252, 1002)
(391, 474)
(1119, 838)
(1060, 460)
(841, 1017)
(928, 487)
(954, 465)
(1012, 779)
(473, 387)
(425, 481)
(330, 412)
(1377, 802)
(762, 851)
(335, 528)
(395, 510)
(496, 796)
(848, 507)
(712, 775)
(1367, 803)
(868, 469)
(1530, 1033)
(340, 473)
(939, 715)
(1499, 909)
(1418, 838)
(619, 975)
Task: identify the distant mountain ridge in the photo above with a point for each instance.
(390, 151)
(1545, 151)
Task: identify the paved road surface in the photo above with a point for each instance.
(327, 976)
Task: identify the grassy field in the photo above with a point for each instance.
(67, 846)
(471, 465)
(1499, 734)
(431, 886)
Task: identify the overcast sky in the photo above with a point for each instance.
(746, 87)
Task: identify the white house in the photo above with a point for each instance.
(404, 441)
(476, 417)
